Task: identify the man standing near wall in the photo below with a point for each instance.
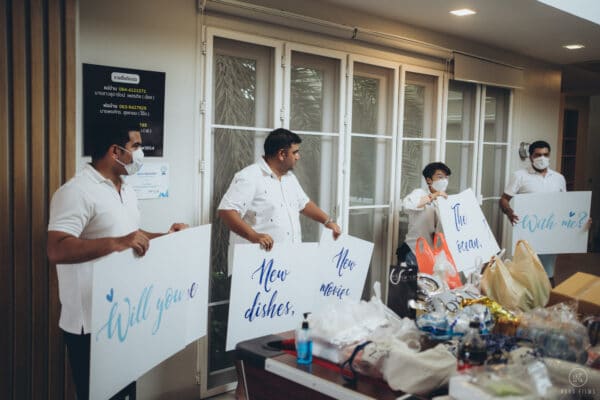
(92, 215)
(536, 178)
(264, 202)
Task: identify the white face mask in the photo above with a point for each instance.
(541, 163)
(137, 161)
(440, 185)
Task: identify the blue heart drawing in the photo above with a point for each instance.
(110, 295)
(571, 214)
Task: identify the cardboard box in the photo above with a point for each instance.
(585, 288)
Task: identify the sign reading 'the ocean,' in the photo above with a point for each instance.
(127, 98)
(467, 232)
(270, 290)
(145, 309)
(553, 223)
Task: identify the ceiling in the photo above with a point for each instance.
(526, 27)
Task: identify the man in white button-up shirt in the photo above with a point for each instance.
(536, 178)
(92, 215)
(264, 201)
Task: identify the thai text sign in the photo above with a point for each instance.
(553, 223)
(145, 309)
(270, 290)
(467, 232)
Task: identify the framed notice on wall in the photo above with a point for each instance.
(124, 97)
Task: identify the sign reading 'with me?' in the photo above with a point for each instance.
(145, 309)
(469, 237)
(270, 290)
(553, 223)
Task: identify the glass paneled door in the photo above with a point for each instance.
(312, 96)
(243, 112)
(420, 133)
(371, 152)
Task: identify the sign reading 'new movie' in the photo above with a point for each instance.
(270, 290)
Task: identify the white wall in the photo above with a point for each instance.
(158, 35)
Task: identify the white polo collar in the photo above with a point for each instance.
(531, 170)
(267, 169)
(97, 177)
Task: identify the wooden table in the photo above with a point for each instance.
(269, 373)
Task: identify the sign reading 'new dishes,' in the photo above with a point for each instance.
(145, 309)
(469, 237)
(553, 223)
(270, 290)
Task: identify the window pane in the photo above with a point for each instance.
(370, 171)
(461, 111)
(493, 215)
(372, 225)
(493, 173)
(232, 151)
(496, 114)
(217, 333)
(317, 173)
(459, 158)
(415, 156)
(314, 88)
(242, 84)
(419, 106)
(372, 100)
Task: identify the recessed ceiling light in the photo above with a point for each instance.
(462, 12)
(573, 46)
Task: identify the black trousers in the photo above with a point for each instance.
(78, 348)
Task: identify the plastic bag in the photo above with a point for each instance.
(428, 259)
(418, 373)
(527, 269)
(498, 284)
(424, 256)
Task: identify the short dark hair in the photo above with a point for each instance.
(280, 139)
(538, 144)
(434, 166)
(105, 134)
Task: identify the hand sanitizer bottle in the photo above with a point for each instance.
(304, 342)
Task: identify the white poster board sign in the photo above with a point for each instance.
(145, 309)
(343, 266)
(467, 232)
(553, 223)
(271, 290)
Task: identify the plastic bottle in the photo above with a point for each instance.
(472, 349)
(304, 342)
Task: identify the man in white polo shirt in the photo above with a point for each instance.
(92, 215)
(536, 178)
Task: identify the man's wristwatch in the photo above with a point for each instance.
(329, 220)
